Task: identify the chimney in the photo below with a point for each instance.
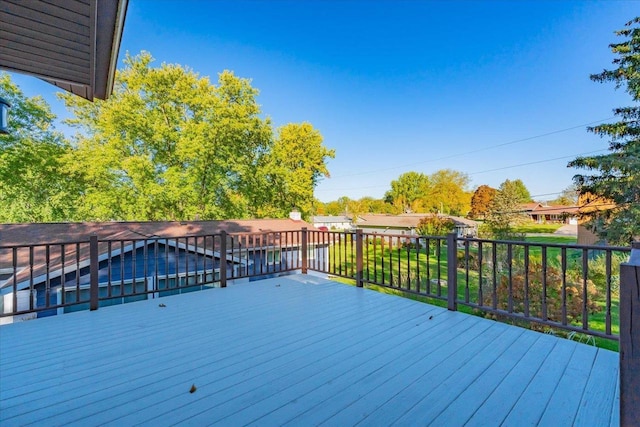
(295, 215)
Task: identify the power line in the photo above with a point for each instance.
(536, 162)
(479, 172)
(477, 150)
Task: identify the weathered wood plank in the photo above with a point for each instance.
(498, 402)
(424, 366)
(565, 400)
(598, 400)
(313, 401)
(460, 377)
(532, 403)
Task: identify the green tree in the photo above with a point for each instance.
(435, 225)
(504, 214)
(481, 201)
(448, 193)
(292, 169)
(34, 185)
(408, 190)
(170, 145)
(616, 175)
(517, 189)
(568, 197)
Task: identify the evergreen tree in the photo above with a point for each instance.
(615, 176)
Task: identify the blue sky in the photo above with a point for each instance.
(497, 90)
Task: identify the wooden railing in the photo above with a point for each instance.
(568, 287)
(52, 278)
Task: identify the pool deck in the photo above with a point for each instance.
(297, 350)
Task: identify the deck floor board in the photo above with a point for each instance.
(296, 350)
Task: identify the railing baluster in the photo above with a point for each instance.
(564, 285)
(466, 270)
(439, 263)
(31, 285)
(134, 266)
(145, 268)
(359, 258)
(585, 293)
(544, 284)
(223, 259)
(156, 281)
(14, 256)
(452, 272)
(608, 294)
(494, 286)
(109, 257)
(122, 258)
(399, 256)
(510, 275)
(63, 277)
(305, 255)
(93, 272)
(480, 279)
(428, 265)
(47, 282)
(526, 280)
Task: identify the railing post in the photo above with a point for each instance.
(359, 263)
(452, 272)
(94, 267)
(630, 339)
(304, 249)
(223, 259)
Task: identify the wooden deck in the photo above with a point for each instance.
(297, 351)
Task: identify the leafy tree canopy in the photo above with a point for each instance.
(505, 213)
(435, 225)
(292, 170)
(517, 189)
(444, 191)
(169, 144)
(481, 201)
(33, 184)
(568, 197)
(615, 177)
(408, 190)
(449, 193)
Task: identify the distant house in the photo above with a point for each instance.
(137, 257)
(407, 224)
(542, 213)
(339, 222)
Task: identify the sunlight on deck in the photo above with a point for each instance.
(297, 350)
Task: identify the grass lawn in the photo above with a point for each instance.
(405, 271)
(538, 228)
(558, 240)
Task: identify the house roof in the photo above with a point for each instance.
(331, 218)
(34, 234)
(72, 44)
(528, 207)
(406, 220)
(555, 210)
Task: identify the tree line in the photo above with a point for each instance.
(167, 145)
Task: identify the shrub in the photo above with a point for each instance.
(536, 301)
